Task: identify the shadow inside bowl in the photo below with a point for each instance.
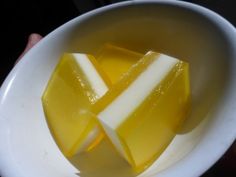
(102, 161)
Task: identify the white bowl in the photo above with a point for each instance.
(187, 31)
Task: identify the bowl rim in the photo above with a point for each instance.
(178, 169)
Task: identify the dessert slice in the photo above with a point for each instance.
(75, 85)
(141, 113)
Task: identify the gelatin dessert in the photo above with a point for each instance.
(141, 113)
(138, 102)
(75, 85)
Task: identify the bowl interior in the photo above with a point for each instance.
(162, 27)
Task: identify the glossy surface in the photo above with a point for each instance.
(27, 148)
(70, 95)
(141, 127)
(115, 60)
(67, 100)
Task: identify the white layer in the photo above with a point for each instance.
(115, 139)
(88, 140)
(133, 96)
(99, 87)
(92, 75)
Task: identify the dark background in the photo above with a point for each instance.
(21, 18)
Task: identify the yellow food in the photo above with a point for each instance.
(141, 113)
(137, 101)
(75, 85)
(115, 61)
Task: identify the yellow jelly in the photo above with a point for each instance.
(141, 113)
(75, 85)
(115, 61)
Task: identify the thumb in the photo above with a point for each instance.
(32, 40)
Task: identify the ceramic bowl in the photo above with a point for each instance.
(184, 30)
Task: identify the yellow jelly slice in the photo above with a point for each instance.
(75, 85)
(115, 60)
(141, 113)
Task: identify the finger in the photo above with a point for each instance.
(32, 40)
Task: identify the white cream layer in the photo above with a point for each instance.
(91, 73)
(99, 87)
(120, 109)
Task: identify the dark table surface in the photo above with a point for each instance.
(20, 18)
